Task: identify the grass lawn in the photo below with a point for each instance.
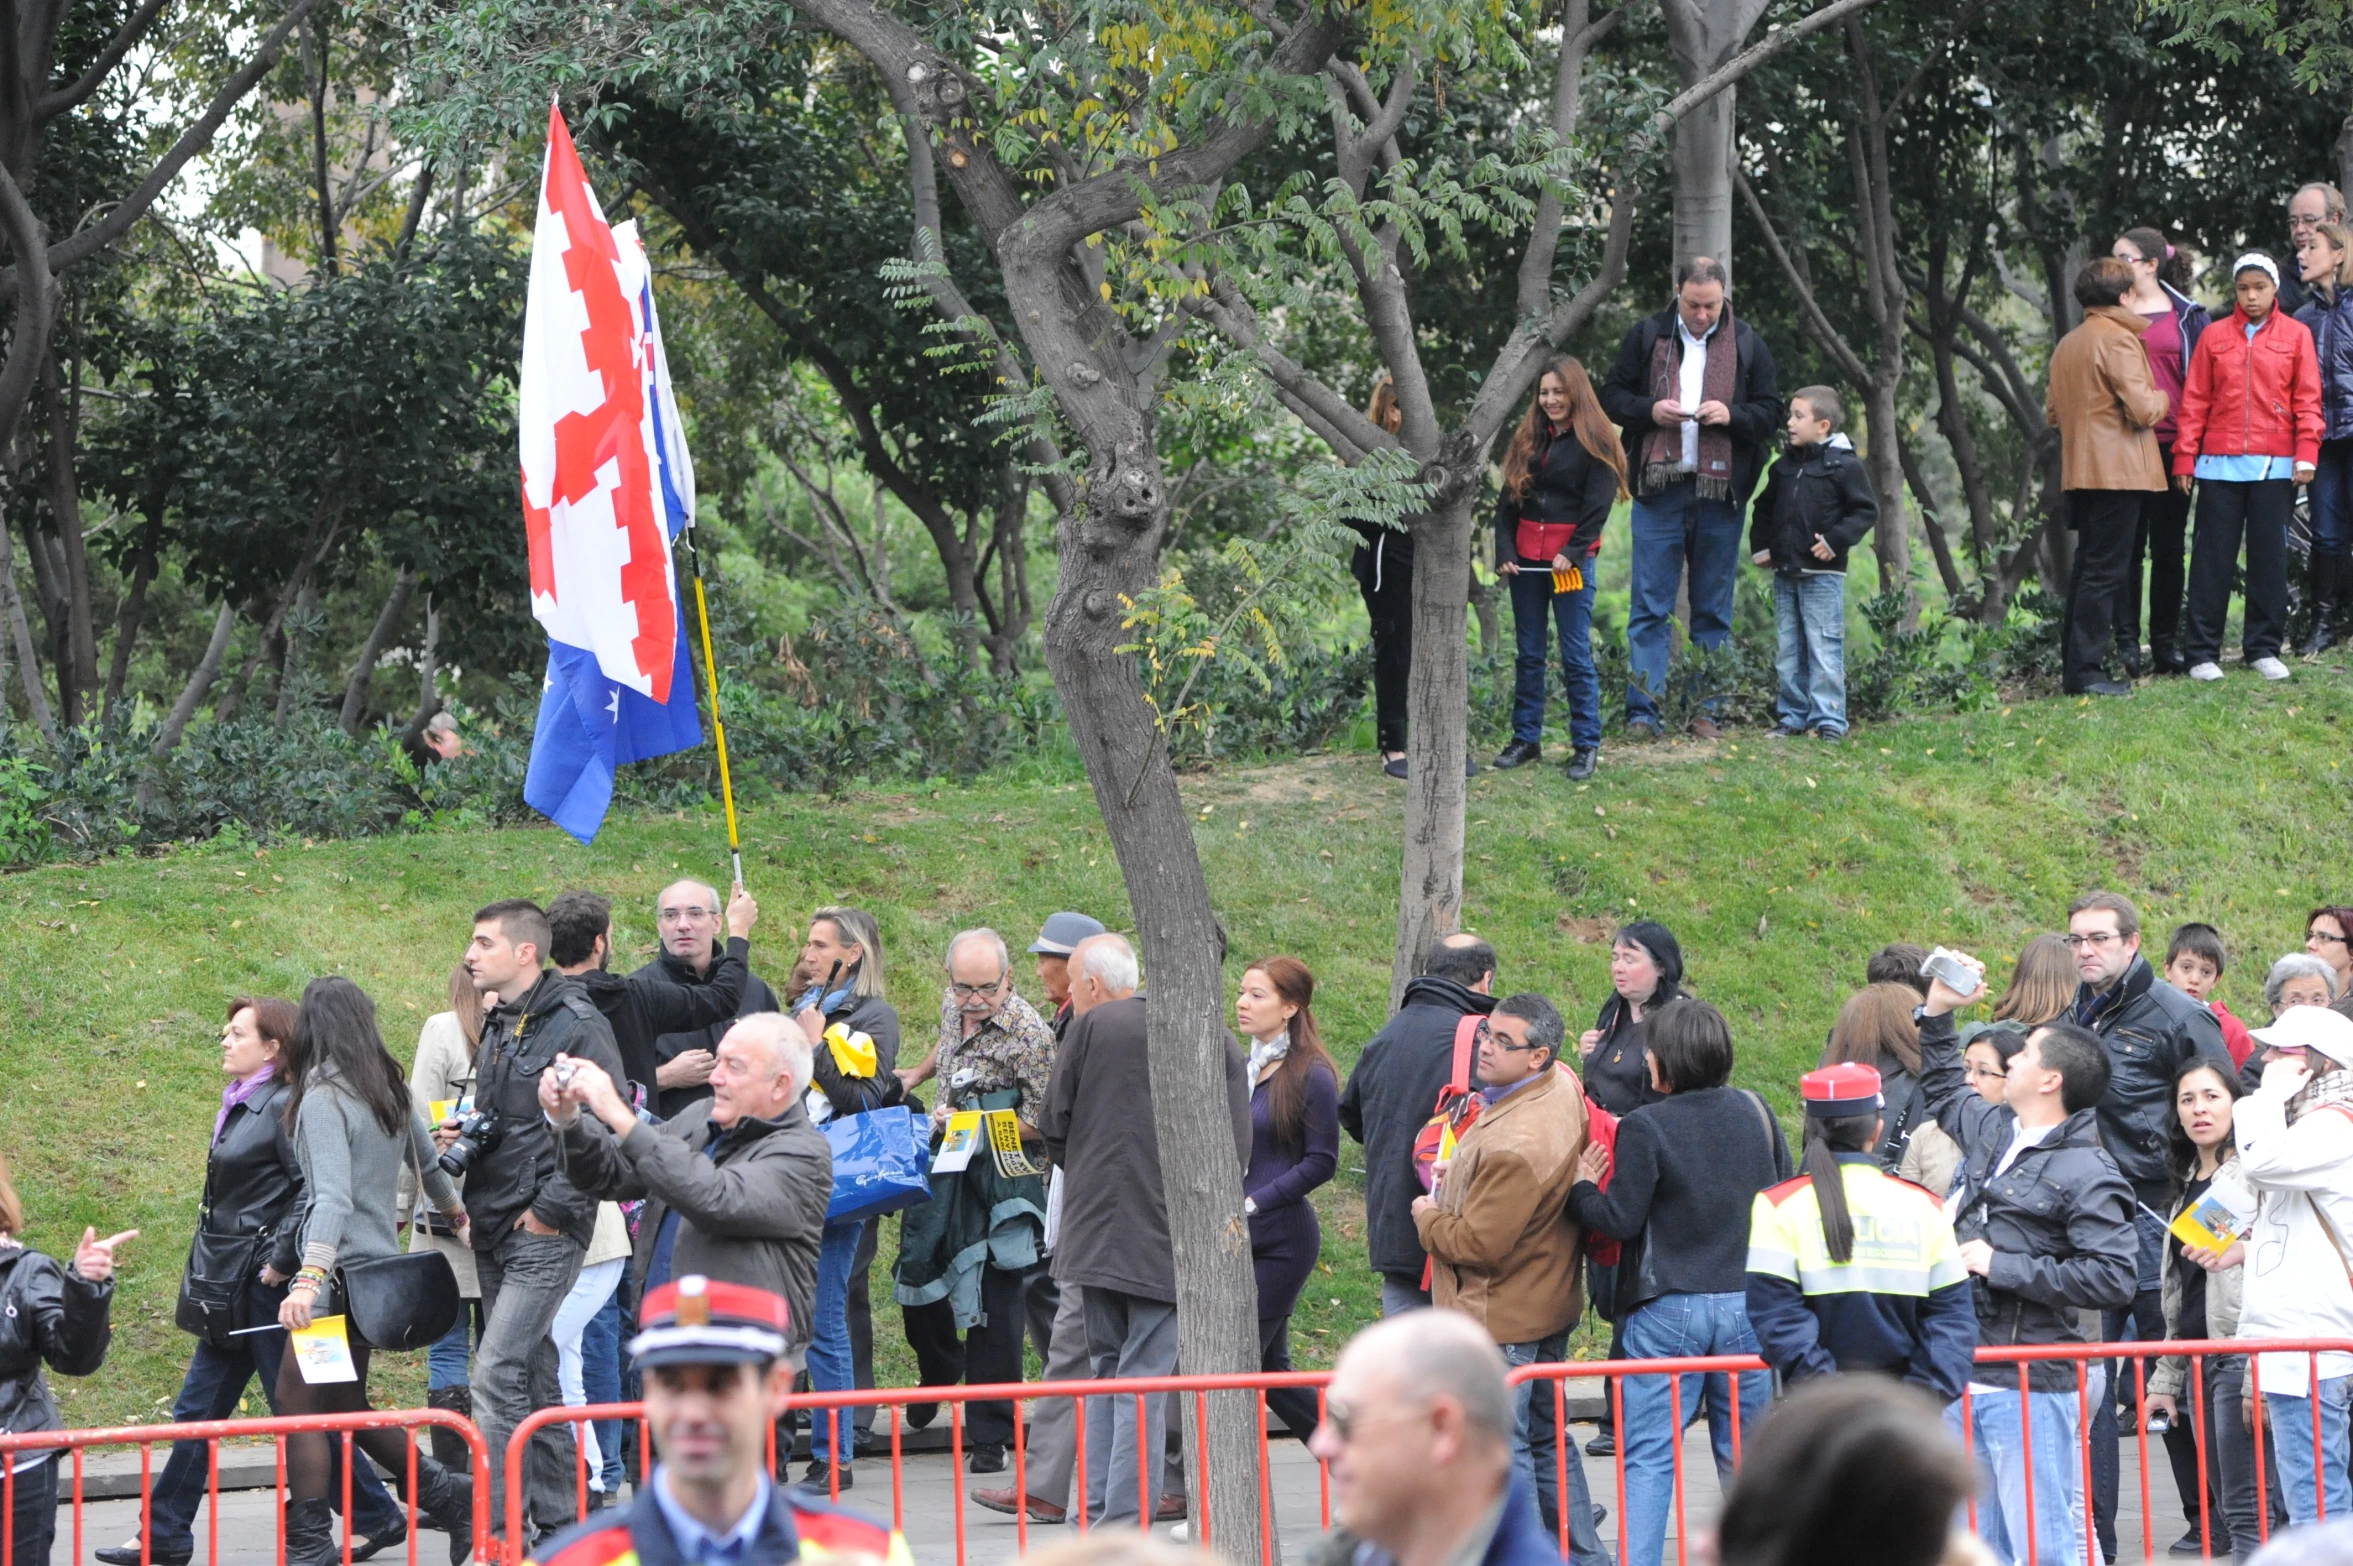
(1780, 864)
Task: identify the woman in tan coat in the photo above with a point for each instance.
(2106, 406)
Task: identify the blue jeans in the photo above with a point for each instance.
(1809, 613)
(450, 1361)
(1535, 1447)
(1672, 528)
(1399, 1295)
(215, 1382)
(600, 1378)
(2055, 1482)
(2332, 498)
(1533, 602)
(830, 1368)
(1679, 1326)
(2291, 1442)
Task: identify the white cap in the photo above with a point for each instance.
(2311, 1027)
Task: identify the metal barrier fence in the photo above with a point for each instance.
(1092, 1401)
(73, 1444)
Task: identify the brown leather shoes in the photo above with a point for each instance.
(1041, 1511)
(1171, 1507)
(1705, 728)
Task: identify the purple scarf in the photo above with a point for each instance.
(238, 1092)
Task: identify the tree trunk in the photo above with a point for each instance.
(1891, 540)
(200, 680)
(1955, 589)
(355, 690)
(127, 623)
(1437, 740)
(65, 501)
(1702, 35)
(1108, 550)
(28, 659)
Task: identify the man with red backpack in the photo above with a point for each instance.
(1391, 1095)
(1502, 1248)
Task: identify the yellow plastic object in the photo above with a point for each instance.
(853, 1053)
(1570, 581)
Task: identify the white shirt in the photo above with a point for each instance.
(1690, 387)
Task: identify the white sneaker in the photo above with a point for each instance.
(1181, 1533)
(2206, 671)
(2271, 668)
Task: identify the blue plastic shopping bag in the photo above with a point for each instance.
(881, 1162)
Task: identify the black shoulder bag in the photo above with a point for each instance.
(221, 1267)
(405, 1302)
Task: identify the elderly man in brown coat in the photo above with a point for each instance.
(1502, 1249)
(2106, 405)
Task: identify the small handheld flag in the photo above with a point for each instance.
(607, 489)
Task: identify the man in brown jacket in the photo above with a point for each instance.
(1502, 1250)
(2106, 406)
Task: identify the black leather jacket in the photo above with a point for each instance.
(252, 1184)
(650, 1002)
(2059, 1219)
(48, 1315)
(756, 996)
(2150, 1028)
(522, 1173)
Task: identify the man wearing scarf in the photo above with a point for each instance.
(2295, 1137)
(1694, 391)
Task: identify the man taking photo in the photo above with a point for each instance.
(531, 1224)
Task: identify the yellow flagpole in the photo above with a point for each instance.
(702, 609)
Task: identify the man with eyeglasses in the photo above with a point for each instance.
(994, 1052)
(2150, 1028)
(1502, 1250)
(2311, 206)
(1417, 1441)
(688, 918)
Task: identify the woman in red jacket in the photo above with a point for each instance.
(2249, 434)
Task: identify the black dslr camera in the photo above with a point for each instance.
(478, 1132)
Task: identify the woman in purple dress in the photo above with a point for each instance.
(1294, 1147)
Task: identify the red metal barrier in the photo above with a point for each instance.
(212, 1432)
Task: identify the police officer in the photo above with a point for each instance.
(717, 1377)
(1850, 1268)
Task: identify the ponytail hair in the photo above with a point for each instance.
(2173, 264)
(1827, 1137)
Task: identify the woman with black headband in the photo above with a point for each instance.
(1850, 1268)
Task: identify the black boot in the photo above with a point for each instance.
(445, 1502)
(449, 1448)
(310, 1534)
(2328, 593)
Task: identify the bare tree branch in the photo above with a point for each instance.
(125, 39)
(1850, 363)
(1747, 60)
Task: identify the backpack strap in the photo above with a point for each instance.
(1466, 1037)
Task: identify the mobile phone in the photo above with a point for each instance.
(1958, 976)
(2160, 1422)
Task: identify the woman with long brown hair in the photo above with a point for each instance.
(2042, 987)
(1557, 494)
(1875, 1029)
(1294, 1147)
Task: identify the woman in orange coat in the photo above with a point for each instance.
(2249, 434)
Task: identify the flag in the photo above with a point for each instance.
(607, 489)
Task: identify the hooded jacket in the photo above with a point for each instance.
(1818, 491)
(752, 1211)
(2330, 321)
(2150, 1029)
(2250, 397)
(2059, 1218)
(1389, 1098)
(522, 1173)
(2106, 405)
(51, 1315)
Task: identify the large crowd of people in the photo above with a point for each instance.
(2009, 1181)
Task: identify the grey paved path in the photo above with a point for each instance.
(927, 1506)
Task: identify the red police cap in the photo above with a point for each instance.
(1846, 1089)
(702, 1321)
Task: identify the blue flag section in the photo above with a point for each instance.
(590, 725)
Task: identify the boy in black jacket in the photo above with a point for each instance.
(2046, 1228)
(1817, 505)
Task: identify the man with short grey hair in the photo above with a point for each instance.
(1416, 1440)
(689, 919)
(966, 1255)
(735, 1189)
(2311, 206)
(1113, 1239)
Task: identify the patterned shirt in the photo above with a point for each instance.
(1013, 1048)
